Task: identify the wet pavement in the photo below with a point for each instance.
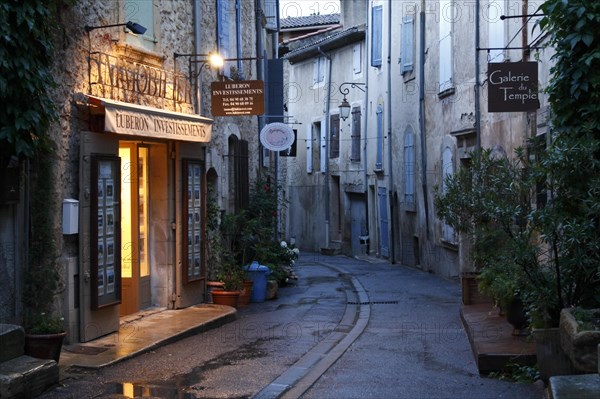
(347, 328)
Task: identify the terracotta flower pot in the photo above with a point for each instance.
(245, 294)
(229, 298)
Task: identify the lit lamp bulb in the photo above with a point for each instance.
(216, 61)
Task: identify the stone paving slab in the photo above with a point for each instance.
(143, 334)
(492, 341)
(586, 386)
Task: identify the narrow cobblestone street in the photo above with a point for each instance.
(413, 345)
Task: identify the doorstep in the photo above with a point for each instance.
(491, 339)
(144, 333)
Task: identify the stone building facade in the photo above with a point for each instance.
(424, 67)
(136, 150)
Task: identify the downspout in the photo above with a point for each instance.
(260, 70)
(238, 36)
(327, 109)
(477, 83)
(365, 146)
(172, 148)
(389, 118)
(275, 39)
(422, 115)
(198, 49)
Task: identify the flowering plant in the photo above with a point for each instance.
(46, 323)
(289, 254)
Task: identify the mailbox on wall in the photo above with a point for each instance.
(70, 221)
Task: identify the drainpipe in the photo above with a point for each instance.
(365, 146)
(197, 49)
(238, 34)
(327, 109)
(260, 70)
(477, 83)
(389, 118)
(422, 114)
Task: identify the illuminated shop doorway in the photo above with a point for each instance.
(135, 229)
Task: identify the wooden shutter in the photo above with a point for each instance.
(409, 168)
(355, 137)
(445, 46)
(407, 48)
(334, 136)
(376, 36)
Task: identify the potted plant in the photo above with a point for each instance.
(231, 276)
(520, 245)
(489, 202)
(43, 324)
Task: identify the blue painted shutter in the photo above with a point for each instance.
(379, 159)
(445, 45)
(496, 28)
(409, 168)
(223, 31)
(407, 48)
(376, 36)
(356, 126)
(141, 12)
(384, 241)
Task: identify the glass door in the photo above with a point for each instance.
(135, 268)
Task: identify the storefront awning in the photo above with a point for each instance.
(139, 120)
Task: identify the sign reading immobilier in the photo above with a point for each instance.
(513, 87)
(238, 98)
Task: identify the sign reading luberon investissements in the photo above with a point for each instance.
(513, 87)
(238, 98)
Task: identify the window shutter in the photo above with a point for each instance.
(407, 48)
(223, 31)
(323, 149)
(445, 45)
(270, 13)
(356, 126)
(379, 159)
(409, 168)
(357, 59)
(141, 12)
(376, 36)
(309, 149)
(496, 30)
(318, 70)
(334, 136)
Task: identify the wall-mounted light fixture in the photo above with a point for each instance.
(132, 26)
(345, 105)
(213, 60)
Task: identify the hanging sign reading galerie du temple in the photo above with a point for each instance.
(245, 97)
(513, 87)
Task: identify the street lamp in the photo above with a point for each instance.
(345, 105)
(212, 59)
(132, 26)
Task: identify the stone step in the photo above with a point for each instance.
(12, 342)
(26, 377)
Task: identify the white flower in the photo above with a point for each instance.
(296, 251)
(283, 244)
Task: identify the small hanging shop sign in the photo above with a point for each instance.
(277, 136)
(513, 87)
(238, 98)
